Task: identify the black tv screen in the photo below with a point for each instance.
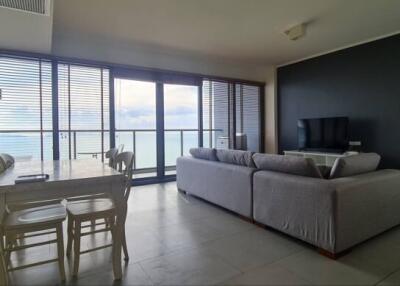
(323, 134)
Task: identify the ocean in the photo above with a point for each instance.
(27, 145)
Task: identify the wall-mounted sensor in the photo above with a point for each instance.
(354, 146)
(355, 143)
(296, 32)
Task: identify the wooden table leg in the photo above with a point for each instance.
(118, 196)
(3, 270)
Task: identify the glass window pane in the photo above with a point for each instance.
(26, 108)
(84, 116)
(180, 122)
(135, 123)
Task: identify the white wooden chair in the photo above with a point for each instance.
(93, 209)
(33, 219)
(110, 155)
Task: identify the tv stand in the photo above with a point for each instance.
(320, 158)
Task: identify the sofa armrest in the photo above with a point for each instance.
(226, 185)
(367, 205)
(300, 206)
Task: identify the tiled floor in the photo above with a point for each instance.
(176, 239)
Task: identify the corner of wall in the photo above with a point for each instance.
(271, 134)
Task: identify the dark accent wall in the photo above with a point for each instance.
(361, 82)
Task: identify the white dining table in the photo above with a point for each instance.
(67, 178)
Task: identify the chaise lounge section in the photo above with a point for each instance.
(333, 215)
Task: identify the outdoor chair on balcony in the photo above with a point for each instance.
(121, 148)
(110, 155)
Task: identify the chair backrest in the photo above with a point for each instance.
(110, 155)
(124, 164)
(121, 148)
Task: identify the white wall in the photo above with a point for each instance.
(96, 48)
(25, 31)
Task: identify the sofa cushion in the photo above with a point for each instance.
(236, 157)
(204, 153)
(287, 164)
(354, 165)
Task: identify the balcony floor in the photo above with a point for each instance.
(175, 239)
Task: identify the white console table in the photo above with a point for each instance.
(320, 158)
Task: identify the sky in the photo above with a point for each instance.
(135, 105)
(134, 100)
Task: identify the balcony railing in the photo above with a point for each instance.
(28, 144)
(143, 143)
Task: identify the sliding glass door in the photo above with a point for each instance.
(157, 121)
(135, 123)
(181, 121)
(161, 120)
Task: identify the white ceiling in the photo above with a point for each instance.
(243, 31)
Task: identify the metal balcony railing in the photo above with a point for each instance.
(180, 142)
(35, 144)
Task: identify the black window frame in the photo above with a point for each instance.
(140, 73)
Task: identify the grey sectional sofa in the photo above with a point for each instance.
(355, 202)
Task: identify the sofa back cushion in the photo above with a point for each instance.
(204, 153)
(287, 164)
(236, 157)
(354, 165)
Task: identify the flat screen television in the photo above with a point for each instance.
(323, 134)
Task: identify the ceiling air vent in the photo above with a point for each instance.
(30, 6)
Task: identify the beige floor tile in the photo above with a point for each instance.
(47, 274)
(320, 270)
(267, 275)
(253, 248)
(391, 236)
(379, 253)
(132, 274)
(184, 235)
(391, 280)
(188, 267)
(227, 223)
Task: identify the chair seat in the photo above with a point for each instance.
(48, 214)
(90, 208)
